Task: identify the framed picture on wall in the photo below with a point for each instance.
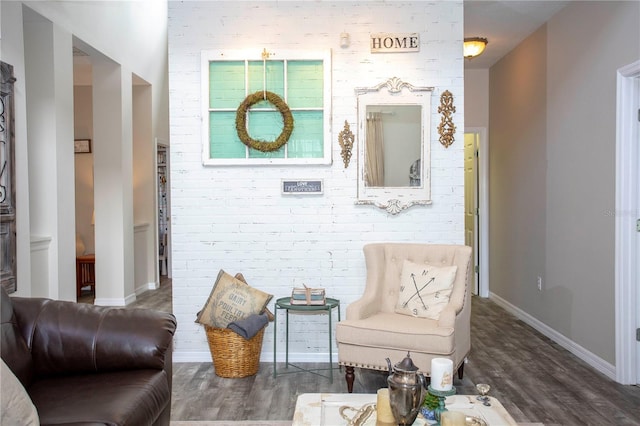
(82, 146)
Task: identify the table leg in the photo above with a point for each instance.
(286, 356)
(327, 307)
(330, 351)
(339, 318)
(275, 338)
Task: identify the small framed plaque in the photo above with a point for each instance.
(302, 187)
(82, 146)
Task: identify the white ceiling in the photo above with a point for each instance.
(504, 24)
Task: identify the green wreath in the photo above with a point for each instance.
(241, 121)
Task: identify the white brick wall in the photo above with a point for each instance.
(234, 218)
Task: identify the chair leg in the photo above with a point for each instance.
(461, 371)
(350, 376)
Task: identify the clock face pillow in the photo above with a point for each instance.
(425, 290)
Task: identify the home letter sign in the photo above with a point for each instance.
(403, 42)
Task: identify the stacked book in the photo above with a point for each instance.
(308, 296)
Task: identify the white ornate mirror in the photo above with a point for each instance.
(393, 145)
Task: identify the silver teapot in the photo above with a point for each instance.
(406, 390)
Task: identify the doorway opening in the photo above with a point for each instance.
(162, 208)
(83, 175)
(476, 166)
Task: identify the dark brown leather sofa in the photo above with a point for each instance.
(88, 365)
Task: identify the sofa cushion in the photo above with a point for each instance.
(424, 289)
(102, 338)
(396, 331)
(231, 300)
(16, 407)
(122, 398)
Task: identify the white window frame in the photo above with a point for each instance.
(256, 55)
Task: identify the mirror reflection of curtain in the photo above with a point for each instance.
(374, 151)
(414, 173)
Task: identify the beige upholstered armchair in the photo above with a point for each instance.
(420, 311)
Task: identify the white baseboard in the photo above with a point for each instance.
(303, 357)
(116, 301)
(202, 356)
(191, 356)
(146, 287)
(585, 355)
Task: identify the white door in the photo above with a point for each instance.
(471, 200)
(627, 234)
(635, 137)
(637, 134)
(638, 275)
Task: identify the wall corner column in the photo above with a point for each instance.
(113, 183)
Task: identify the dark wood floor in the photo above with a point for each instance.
(534, 378)
(159, 299)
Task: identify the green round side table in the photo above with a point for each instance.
(285, 303)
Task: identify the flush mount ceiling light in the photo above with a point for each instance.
(474, 46)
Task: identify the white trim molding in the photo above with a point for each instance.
(116, 301)
(626, 213)
(585, 355)
(265, 356)
(39, 243)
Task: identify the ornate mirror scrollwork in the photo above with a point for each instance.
(346, 139)
(393, 145)
(446, 129)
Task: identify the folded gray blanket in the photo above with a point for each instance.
(249, 326)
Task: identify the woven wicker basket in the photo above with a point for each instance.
(232, 354)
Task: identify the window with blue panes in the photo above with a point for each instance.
(302, 80)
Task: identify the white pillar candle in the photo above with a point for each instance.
(441, 374)
(383, 407)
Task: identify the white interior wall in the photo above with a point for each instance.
(518, 170)
(242, 223)
(581, 133)
(113, 171)
(553, 133)
(476, 98)
(144, 175)
(133, 33)
(49, 82)
(130, 33)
